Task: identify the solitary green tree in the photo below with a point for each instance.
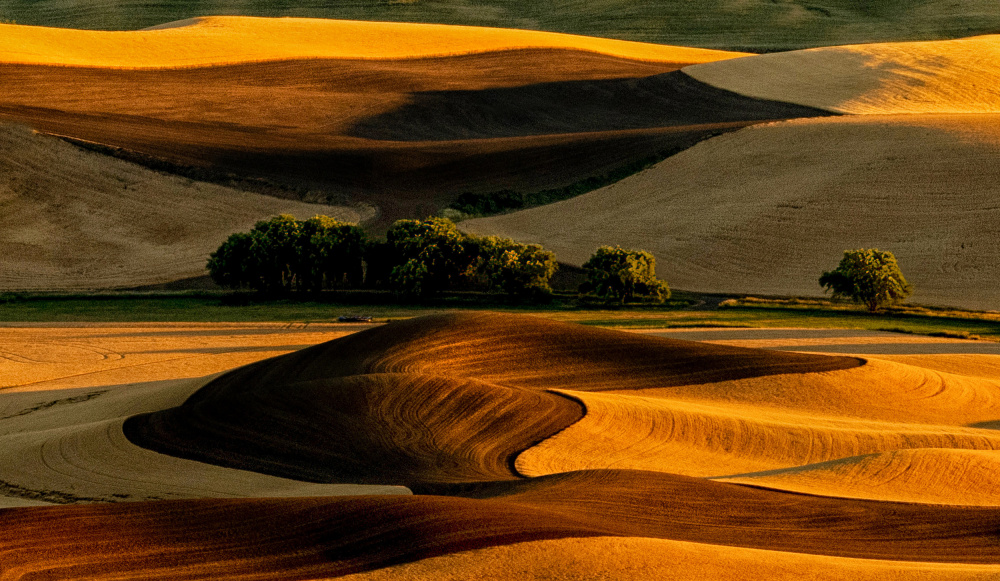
(513, 268)
(867, 276)
(622, 275)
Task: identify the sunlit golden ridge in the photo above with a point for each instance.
(541, 445)
(947, 76)
(229, 39)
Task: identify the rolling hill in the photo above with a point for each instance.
(909, 167)
(438, 398)
(214, 40)
(75, 219)
(746, 24)
(491, 445)
(768, 209)
(313, 538)
(330, 111)
(957, 76)
(532, 447)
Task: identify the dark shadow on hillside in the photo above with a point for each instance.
(436, 399)
(522, 135)
(665, 100)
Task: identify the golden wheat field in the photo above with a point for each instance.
(909, 164)
(806, 190)
(507, 446)
(952, 76)
(482, 445)
(228, 39)
(76, 219)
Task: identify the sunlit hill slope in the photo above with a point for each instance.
(549, 446)
(910, 167)
(335, 110)
(742, 24)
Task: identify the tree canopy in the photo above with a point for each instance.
(417, 258)
(867, 276)
(510, 267)
(430, 255)
(331, 254)
(623, 275)
(283, 254)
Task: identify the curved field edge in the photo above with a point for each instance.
(67, 446)
(440, 399)
(953, 76)
(798, 206)
(708, 440)
(926, 476)
(427, 428)
(229, 40)
(315, 537)
(754, 24)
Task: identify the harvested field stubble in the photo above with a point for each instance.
(643, 559)
(954, 76)
(98, 356)
(428, 428)
(769, 208)
(405, 117)
(78, 220)
(649, 433)
(928, 476)
(316, 537)
(481, 415)
(394, 133)
(534, 448)
(445, 398)
(68, 447)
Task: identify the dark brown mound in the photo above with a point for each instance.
(444, 398)
(405, 428)
(431, 128)
(317, 537)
